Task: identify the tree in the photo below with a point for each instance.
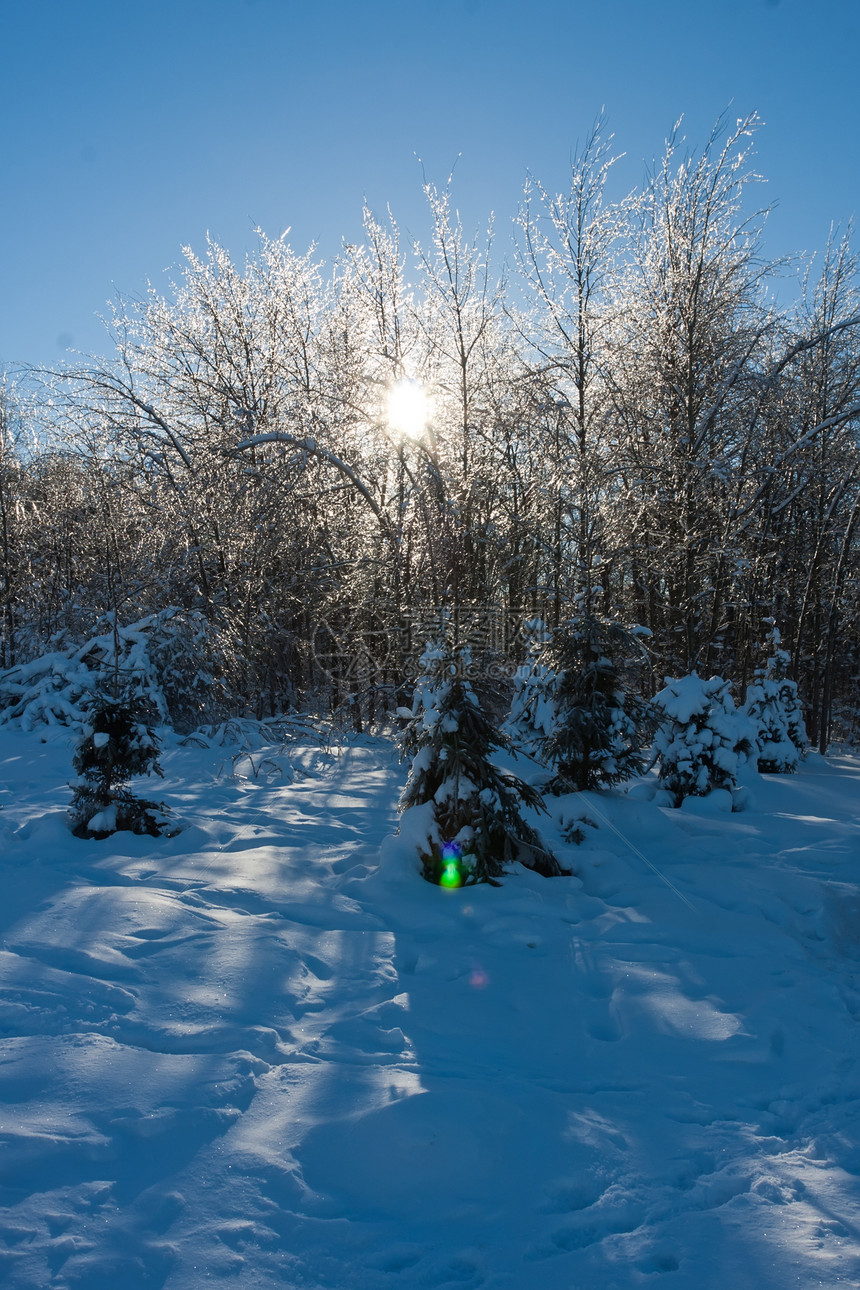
(534, 704)
(461, 323)
(827, 514)
(649, 434)
(11, 573)
(566, 256)
(599, 727)
(692, 329)
(464, 812)
(117, 746)
(702, 740)
(773, 706)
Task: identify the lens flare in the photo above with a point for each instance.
(452, 873)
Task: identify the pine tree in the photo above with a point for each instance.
(118, 746)
(464, 810)
(703, 738)
(773, 706)
(533, 707)
(600, 725)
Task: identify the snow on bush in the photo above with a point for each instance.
(777, 753)
(461, 811)
(703, 739)
(163, 661)
(773, 706)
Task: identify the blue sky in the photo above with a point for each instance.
(132, 129)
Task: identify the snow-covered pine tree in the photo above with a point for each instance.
(703, 738)
(117, 746)
(533, 706)
(463, 811)
(600, 724)
(773, 706)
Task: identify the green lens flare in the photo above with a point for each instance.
(450, 875)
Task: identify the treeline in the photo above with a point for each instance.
(619, 417)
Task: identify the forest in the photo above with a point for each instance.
(572, 509)
(283, 472)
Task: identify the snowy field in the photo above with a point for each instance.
(258, 1054)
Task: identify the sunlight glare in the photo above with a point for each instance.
(407, 408)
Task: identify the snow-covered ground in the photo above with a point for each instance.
(257, 1053)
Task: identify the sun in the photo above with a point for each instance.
(407, 408)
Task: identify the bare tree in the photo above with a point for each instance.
(566, 251)
(692, 327)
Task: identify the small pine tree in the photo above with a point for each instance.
(773, 706)
(467, 811)
(600, 725)
(117, 746)
(703, 739)
(533, 706)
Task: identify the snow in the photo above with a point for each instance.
(685, 696)
(265, 1053)
(704, 742)
(103, 821)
